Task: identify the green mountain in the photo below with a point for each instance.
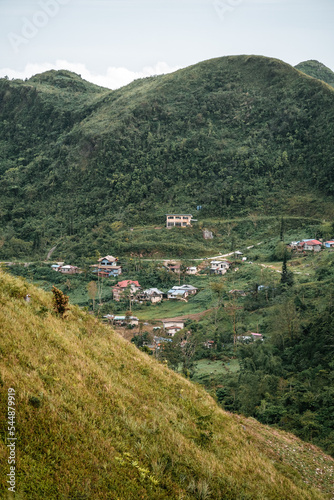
(317, 70)
(96, 418)
(234, 135)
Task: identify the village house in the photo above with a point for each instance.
(56, 266)
(209, 344)
(173, 294)
(329, 244)
(219, 266)
(191, 270)
(179, 220)
(120, 290)
(126, 320)
(244, 338)
(122, 320)
(181, 292)
(172, 330)
(172, 265)
(108, 266)
(192, 290)
(309, 245)
(256, 336)
(154, 295)
(158, 341)
(249, 337)
(171, 327)
(109, 317)
(65, 269)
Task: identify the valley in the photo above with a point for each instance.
(215, 323)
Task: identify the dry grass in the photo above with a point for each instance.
(109, 422)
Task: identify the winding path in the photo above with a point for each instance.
(51, 252)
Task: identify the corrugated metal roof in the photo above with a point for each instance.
(121, 318)
(311, 242)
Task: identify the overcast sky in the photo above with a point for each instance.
(111, 42)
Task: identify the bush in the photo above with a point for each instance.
(60, 301)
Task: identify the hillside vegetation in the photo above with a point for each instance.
(96, 418)
(235, 135)
(317, 70)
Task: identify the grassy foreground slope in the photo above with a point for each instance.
(98, 419)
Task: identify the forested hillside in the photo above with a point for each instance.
(317, 70)
(96, 418)
(234, 134)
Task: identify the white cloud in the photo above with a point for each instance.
(112, 79)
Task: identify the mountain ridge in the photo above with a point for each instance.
(239, 133)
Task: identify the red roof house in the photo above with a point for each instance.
(310, 245)
(121, 287)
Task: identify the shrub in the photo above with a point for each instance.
(60, 301)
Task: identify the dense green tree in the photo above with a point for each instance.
(287, 276)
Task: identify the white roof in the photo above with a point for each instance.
(119, 318)
(150, 291)
(184, 287)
